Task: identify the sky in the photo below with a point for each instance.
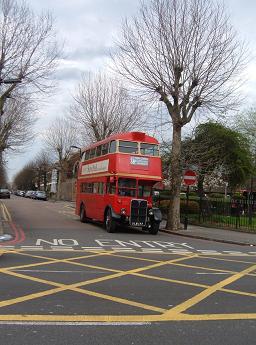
(89, 29)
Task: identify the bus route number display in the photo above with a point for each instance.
(139, 161)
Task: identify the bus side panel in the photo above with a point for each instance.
(78, 196)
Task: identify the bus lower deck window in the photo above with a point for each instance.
(127, 187)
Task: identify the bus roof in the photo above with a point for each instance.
(129, 136)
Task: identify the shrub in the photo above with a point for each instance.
(216, 195)
(193, 194)
(193, 206)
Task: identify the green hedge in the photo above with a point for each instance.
(193, 206)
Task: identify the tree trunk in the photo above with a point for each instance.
(173, 218)
(45, 181)
(200, 185)
(59, 185)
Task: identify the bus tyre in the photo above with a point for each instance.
(83, 218)
(110, 224)
(153, 230)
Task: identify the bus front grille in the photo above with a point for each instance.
(138, 212)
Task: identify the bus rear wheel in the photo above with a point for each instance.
(110, 224)
(83, 218)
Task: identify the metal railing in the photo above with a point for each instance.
(239, 214)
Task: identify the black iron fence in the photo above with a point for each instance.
(239, 214)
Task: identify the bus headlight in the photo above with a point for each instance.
(150, 212)
(123, 211)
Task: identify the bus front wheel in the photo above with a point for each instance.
(110, 224)
(153, 230)
(83, 218)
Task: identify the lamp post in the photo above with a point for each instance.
(78, 148)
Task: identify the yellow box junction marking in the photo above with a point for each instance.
(177, 313)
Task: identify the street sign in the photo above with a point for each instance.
(189, 178)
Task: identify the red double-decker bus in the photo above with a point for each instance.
(115, 182)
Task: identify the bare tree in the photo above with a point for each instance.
(58, 138)
(29, 51)
(3, 177)
(28, 56)
(102, 107)
(43, 163)
(25, 178)
(185, 52)
(16, 125)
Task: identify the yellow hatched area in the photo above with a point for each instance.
(177, 313)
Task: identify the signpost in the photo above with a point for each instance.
(189, 179)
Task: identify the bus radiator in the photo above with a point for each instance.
(138, 212)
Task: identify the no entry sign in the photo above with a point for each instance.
(189, 177)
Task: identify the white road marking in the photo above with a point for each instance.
(207, 251)
(76, 323)
(62, 249)
(123, 249)
(91, 247)
(232, 252)
(34, 246)
(180, 251)
(117, 248)
(57, 247)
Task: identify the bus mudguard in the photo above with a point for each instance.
(157, 214)
(115, 216)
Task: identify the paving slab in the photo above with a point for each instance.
(214, 234)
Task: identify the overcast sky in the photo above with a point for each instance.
(89, 28)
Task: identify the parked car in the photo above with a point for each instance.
(4, 193)
(40, 195)
(29, 193)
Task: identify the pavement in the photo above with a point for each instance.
(214, 234)
(193, 231)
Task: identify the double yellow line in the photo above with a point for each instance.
(5, 213)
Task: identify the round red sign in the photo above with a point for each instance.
(189, 177)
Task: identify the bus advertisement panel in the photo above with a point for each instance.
(115, 182)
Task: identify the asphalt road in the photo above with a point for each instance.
(64, 282)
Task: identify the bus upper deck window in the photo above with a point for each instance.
(104, 149)
(92, 153)
(87, 154)
(128, 147)
(98, 151)
(112, 146)
(149, 149)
